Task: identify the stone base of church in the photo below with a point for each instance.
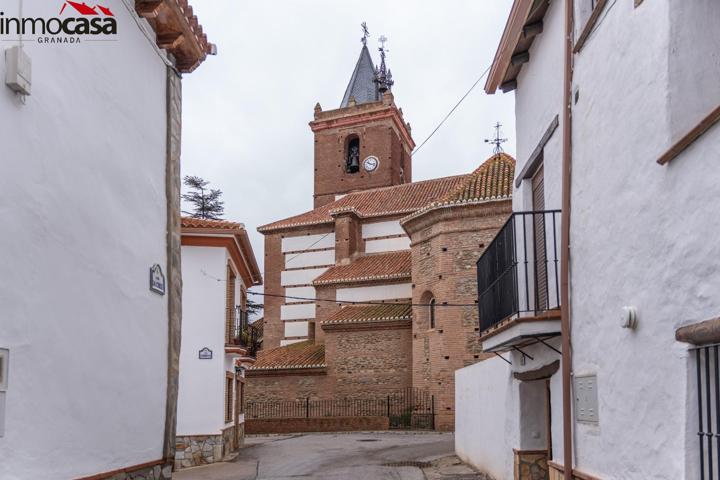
(196, 450)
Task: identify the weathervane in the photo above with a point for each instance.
(383, 76)
(497, 141)
(366, 33)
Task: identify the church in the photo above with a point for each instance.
(374, 291)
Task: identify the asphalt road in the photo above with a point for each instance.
(336, 456)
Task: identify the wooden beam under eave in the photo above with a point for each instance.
(170, 40)
(520, 58)
(533, 29)
(148, 8)
(508, 86)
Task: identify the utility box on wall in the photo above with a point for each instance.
(4, 373)
(18, 70)
(586, 399)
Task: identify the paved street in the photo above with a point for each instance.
(361, 456)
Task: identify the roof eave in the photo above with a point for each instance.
(510, 37)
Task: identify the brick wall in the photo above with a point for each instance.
(369, 363)
(325, 424)
(270, 387)
(446, 243)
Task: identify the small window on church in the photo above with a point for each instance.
(352, 155)
(432, 313)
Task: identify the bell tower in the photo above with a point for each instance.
(365, 143)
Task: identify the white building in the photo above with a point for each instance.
(218, 267)
(90, 129)
(644, 256)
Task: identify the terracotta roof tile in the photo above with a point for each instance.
(190, 222)
(376, 202)
(490, 181)
(368, 268)
(305, 354)
(371, 313)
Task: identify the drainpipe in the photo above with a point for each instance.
(565, 249)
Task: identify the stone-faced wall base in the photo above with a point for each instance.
(531, 464)
(148, 471)
(195, 450)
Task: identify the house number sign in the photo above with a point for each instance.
(205, 354)
(157, 279)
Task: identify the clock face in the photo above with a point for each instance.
(371, 163)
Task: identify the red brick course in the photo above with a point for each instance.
(324, 424)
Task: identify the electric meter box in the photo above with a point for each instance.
(18, 70)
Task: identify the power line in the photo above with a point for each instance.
(453, 110)
(308, 248)
(350, 302)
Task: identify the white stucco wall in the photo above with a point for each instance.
(296, 329)
(485, 430)
(301, 292)
(297, 311)
(83, 211)
(300, 277)
(387, 245)
(538, 99)
(375, 292)
(310, 259)
(201, 395)
(643, 234)
(382, 229)
(306, 242)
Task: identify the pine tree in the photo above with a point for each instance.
(253, 308)
(206, 202)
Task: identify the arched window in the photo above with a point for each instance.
(352, 155)
(431, 313)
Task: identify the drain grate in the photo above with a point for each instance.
(408, 463)
(368, 440)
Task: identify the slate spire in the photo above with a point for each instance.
(362, 86)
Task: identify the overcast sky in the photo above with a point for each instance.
(246, 110)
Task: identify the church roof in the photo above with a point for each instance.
(490, 181)
(369, 268)
(306, 354)
(362, 84)
(371, 313)
(377, 202)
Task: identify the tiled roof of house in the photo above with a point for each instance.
(190, 222)
(368, 268)
(490, 181)
(371, 313)
(376, 202)
(306, 354)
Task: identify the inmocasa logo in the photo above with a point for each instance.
(74, 20)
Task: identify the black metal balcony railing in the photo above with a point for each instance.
(243, 335)
(518, 272)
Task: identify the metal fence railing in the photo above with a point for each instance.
(409, 408)
(519, 271)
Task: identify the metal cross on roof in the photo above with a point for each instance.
(382, 41)
(366, 33)
(497, 141)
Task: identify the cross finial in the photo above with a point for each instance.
(382, 41)
(497, 141)
(366, 33)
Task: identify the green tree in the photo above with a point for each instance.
(205, 201)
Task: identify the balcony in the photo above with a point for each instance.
(243, 336)
(518, 282)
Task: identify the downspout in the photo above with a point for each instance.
(565, 249)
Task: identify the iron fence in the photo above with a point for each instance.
(409, 408)
(243, 335)
(708, 396)
(519, 271)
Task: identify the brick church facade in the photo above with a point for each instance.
(374, 290)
